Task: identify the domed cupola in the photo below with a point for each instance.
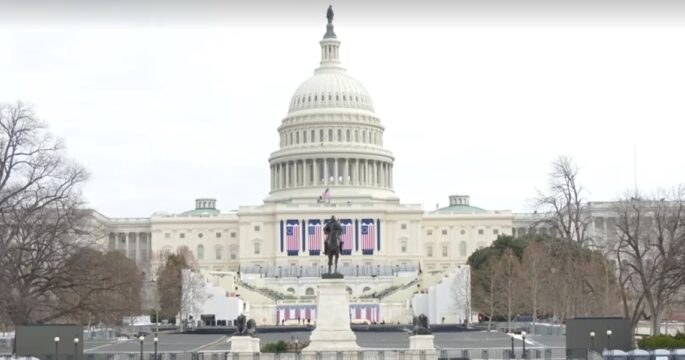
(331, 138)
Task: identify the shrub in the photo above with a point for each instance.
(663, 342)
(277, 347)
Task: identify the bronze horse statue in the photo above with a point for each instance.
(332, 245)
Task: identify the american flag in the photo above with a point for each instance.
(292, 237)
(368, 236)
(347, 236)
(327, 194)
(314, 237)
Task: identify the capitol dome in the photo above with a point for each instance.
(331, 87)
(331, 141)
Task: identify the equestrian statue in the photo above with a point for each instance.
(333, 244)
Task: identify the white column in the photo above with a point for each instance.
(390, 176)
(325, 171)
(374, 178)
(346, 171)
(335, 171)
(305, 178)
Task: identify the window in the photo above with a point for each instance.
(257, 248)
(495, 231)
(309, 291)
(429, 251)
(429, 232)
(304, 137)
(480, 232)
(462, 231)
(462, 248)
(330, 134)
(321, 135)
(200, 235)
(291, 139)
(348, 135)
(356, 136)
(339, 135)
(444, 250)
(312, 136)
(200, 252)
(218, 251)
(403, 226)
(167, 236)
(297, 137)
(256, 228)
(403, 246)
(232, 235)
(218, 235)
(182, 235)
(444, 232)
(234, 253)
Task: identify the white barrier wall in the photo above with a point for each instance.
(449, 300)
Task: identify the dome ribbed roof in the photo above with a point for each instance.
(331, 88)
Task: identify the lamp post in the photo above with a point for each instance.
(297, 344)
(609, 332)
(75, 348)
(512, 345)
(156, 340)
(523, 335)
(56, 347)
(141, 338)
(592, 340)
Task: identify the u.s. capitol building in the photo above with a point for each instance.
(330, 161)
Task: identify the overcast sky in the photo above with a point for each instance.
(164, 102)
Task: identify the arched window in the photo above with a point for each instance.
(348, 135)
(309, 291)
(330, 134)
(291, 139)
(349, 290)
(304, 137)
(312, 136)
(321, 135)
(364, 136)
(200, 252)
(291, 290)
(297, 137)
(339, 135)
(366, 288)
(462, 248)
(356, 136)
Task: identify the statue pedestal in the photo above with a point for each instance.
(332, 332)
(244, 344)
(422, 344)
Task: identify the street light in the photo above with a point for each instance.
(141, 338)
(56, 347)
(512, 345)
(523, 335)
(297, 343)
(76, 348)
(156, 340)
(592, 340)
(609, 332)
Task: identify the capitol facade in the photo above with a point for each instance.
(331, 160)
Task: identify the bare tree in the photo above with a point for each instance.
(484, 285)
(564, 203)
(461, 293)
(508, 280)
(193, 294)
(651, 253)
(535, 264)
(41, 223)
